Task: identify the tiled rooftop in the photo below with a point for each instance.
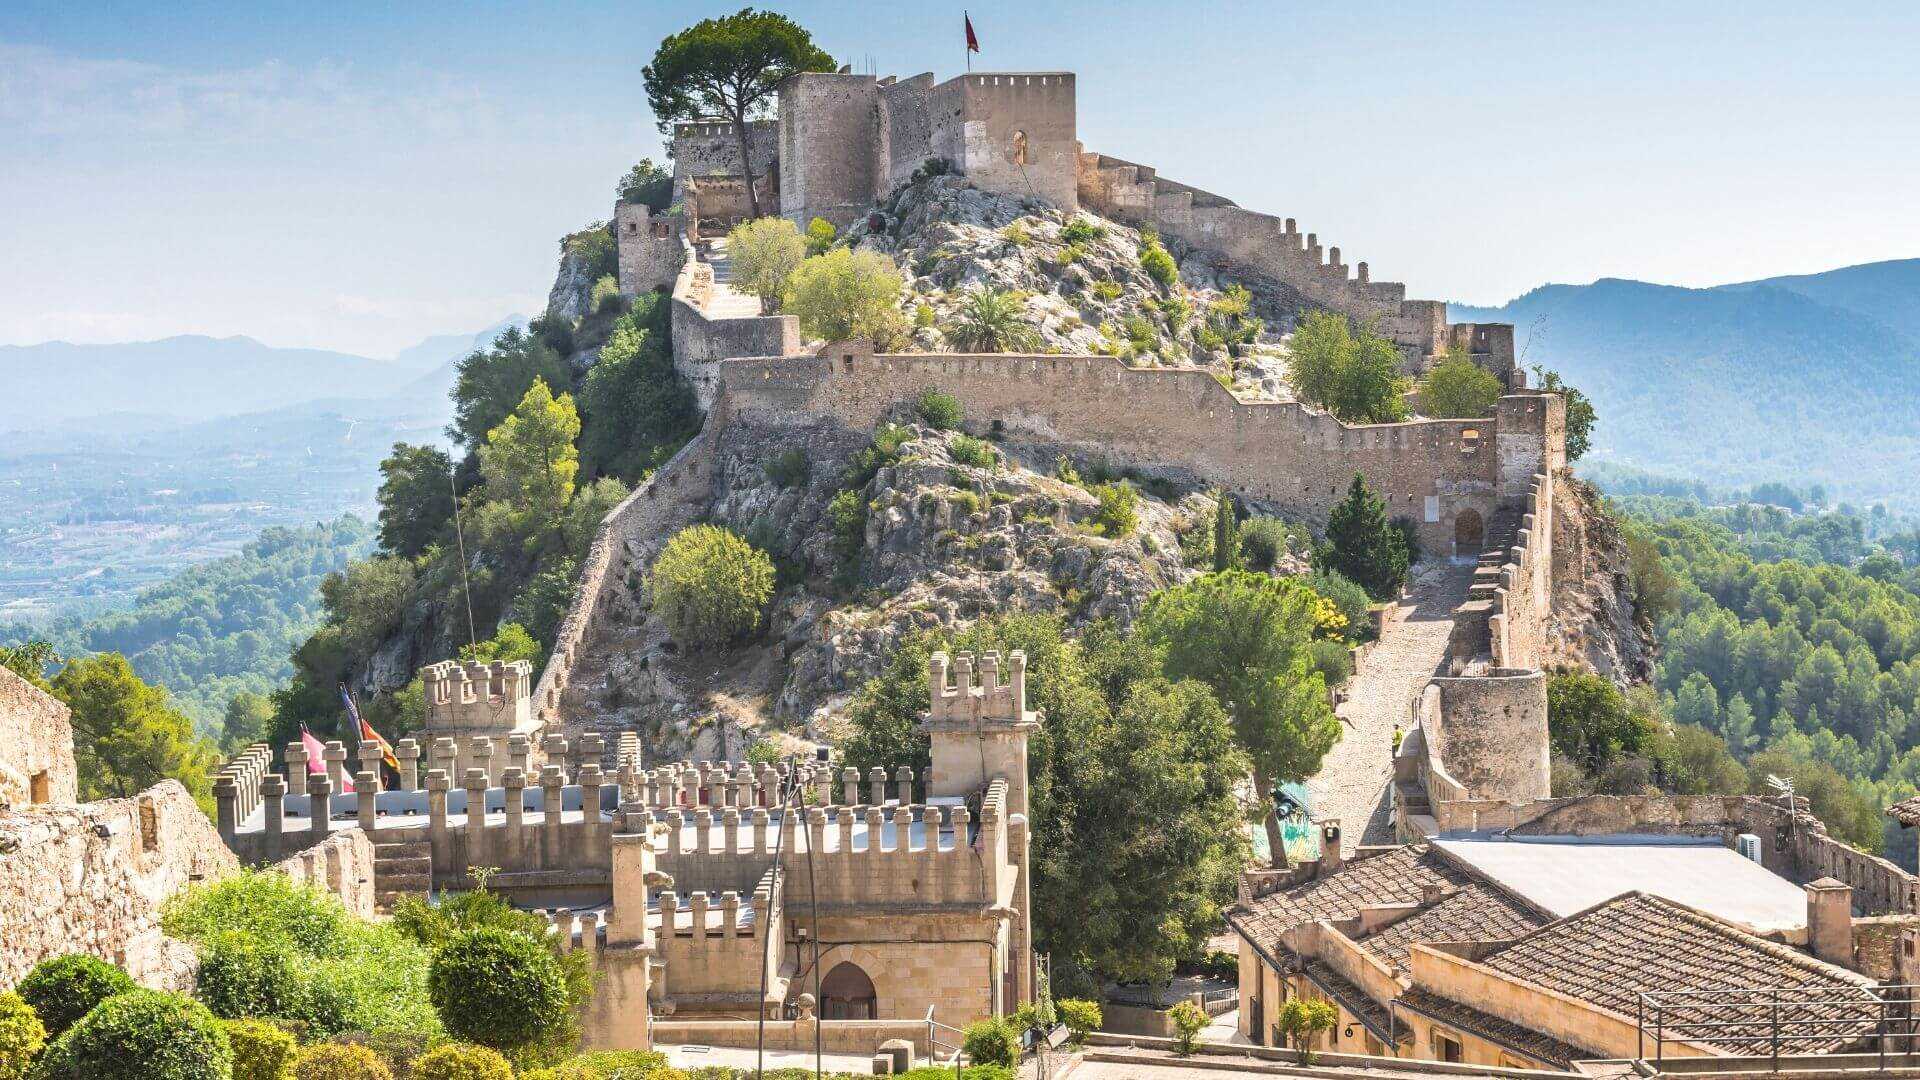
(1501, 1032)
(1477, 912)
(1396, 877)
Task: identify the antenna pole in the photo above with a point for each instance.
(460, 536)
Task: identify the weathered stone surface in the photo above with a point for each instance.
(1593, 622)
(36, 745)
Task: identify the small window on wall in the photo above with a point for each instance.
(40, 788)
(1469, 440)
(1447, 1049)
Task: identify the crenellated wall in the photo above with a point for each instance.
(1177, 422)
(709, 148)
(700, 340)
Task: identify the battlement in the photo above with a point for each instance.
(474, 705)
(972, 702)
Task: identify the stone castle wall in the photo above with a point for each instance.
(831, 146)
(708, 148)
(341, 865)
(1177, 422)
(699, 341)
(1013, 133)
(36, 746)
(651, 253)
(91, 878)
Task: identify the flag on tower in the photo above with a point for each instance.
(973, 42)
(317, 760)
(367, 734)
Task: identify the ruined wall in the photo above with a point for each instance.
(341, 865)
(1012, 133)
(91, 878)
(1262, 244)
(831, 157)
(650, 249)
(707, 148)
(36, 746)
(1175, 422)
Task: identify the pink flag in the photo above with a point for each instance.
(317, 762)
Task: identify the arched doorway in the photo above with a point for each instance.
(1469, 533)
(847, 994)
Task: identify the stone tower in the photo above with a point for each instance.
(979, 726)
(479, 716)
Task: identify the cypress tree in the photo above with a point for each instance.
(1226, 538)
(1363, 545)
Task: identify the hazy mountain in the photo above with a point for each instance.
(1804, 379)
(191, 378)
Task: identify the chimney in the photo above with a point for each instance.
(1432, 893)
(1830, 921)
(1331, 858)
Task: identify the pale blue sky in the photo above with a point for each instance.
(362, 176)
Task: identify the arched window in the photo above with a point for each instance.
(847, 994)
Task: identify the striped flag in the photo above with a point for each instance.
(367, 734)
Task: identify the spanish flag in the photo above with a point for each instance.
(367, 734)
(973, 42)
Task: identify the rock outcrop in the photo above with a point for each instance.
(1593, 622)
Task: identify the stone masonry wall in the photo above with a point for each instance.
(708, 148)
(91, 878)
(342, 865)
(909, 132)
(831, 157)
(699, 341)
(1491, 734)
(1178, 422)
(650, 249)
(36, 746)
(1011, 132)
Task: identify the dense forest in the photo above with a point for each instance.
(222, 628)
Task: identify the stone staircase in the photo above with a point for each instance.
(401, 868)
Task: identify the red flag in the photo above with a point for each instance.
(973, 43)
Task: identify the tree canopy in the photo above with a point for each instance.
(127, 736)
(1458, 388)
(729, 67)
(1354, 377)
(1362, 545)
(416, 498)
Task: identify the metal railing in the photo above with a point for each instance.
(1773, 1021)
(934, 1045)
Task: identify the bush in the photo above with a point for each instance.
(1081, 231)
(1302, 1018)
(605, 298)
(498, 989)
(141, 1035)
(993, 1041)
(1155, 260)
(1456, 387)
(1189, 1020)
(336, 1061)
(820, 236)
(456, 1062)
(710, 586)
(1263, 540)
(847, 294)
(1364, 545)
(605, 1065)
(789, 469)
(978, 453)
(1081, 1016)
(261, 1051)
(22, 1036)
(1354, 377)
(66, 988)
(992, 321)
(1119, 508)
(647, 183)
(1349, 599)
(242, 976)
(848, 515)
(938, 410)
(765, 252)
(1332, 659)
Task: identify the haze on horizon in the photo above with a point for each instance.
(361, 178)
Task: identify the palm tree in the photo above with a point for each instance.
(992, 320)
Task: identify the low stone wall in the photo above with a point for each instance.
(342, 865)
(36, 746)
(91, 878)
(700, 340)
(1517, 623)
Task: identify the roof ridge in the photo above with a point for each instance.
(1729, 930)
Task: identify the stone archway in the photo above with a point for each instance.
(847, 994)
(1469, 533)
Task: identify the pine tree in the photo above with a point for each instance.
(1363, 545)
(1226, 537)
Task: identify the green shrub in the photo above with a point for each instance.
(242, 976)
(789, 468)
(848, 294)
(605, 298)
(1263, 540)
(991, 321)
(710, 586)
(498, 989)
(978, 453)
(1017, 235)
(1081, 1016)
(820, 236)
(1332, 659)
(337, 1061)
(1081, 231)
(1106, 289)
(1157, 262)
(765, 252)
(611, 1065)
(1301, 1019)
(1189, 1020)
(993, 1041)
(141, 1035)
(22, 1036)
(938, 410)
(261, 1051)
(1119, 508)
(1456, 387)
(65, 988)
(923, 315)
(457, 1062)
(848, 515)
(1350, 599)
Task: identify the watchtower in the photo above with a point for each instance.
(979, 726)
(482, 713)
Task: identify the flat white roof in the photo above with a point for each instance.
(1569, 874)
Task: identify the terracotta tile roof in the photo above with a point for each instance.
(1516, 1037)
(1906, 811)
(1478, 912)
(1350, 997)
(1395, 877)
(1635, 941)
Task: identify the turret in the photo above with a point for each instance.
(979, 726)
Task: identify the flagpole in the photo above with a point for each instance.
(967, 17)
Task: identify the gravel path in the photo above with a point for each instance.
(1354, 781)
